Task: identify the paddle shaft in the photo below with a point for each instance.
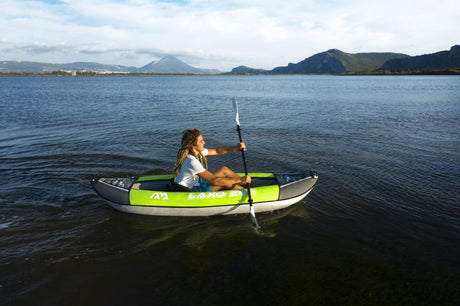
(244, 163)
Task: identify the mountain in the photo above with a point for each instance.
(171, 64)
(329, 62)
(87, 66)
(168, 64)
(439, 60)
(35, 67)
(248, 70)
(360, 62)
(336, 62)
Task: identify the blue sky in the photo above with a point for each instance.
(221, 34)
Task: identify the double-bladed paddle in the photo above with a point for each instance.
(238, 128)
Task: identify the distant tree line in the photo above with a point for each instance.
(452, 71)
(87, 73)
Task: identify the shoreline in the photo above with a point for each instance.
(452, 71)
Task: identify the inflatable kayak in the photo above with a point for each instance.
(158, 195)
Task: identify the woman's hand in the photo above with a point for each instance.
(241, 146)
(245, 180)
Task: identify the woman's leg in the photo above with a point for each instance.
(227, 173)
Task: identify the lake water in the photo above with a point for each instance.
(382, 226)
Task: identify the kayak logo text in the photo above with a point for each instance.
(218, 194)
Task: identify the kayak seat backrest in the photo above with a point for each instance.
(175, 187)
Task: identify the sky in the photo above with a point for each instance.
(221, 34)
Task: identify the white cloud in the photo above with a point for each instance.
(221, 34)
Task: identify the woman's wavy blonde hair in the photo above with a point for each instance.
(189, 140)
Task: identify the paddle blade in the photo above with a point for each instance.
(253, 217)
(235, 108)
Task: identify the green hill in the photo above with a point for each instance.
(439, 60)
(335, 62)
(360, 62)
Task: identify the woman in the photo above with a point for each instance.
(191, 165)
